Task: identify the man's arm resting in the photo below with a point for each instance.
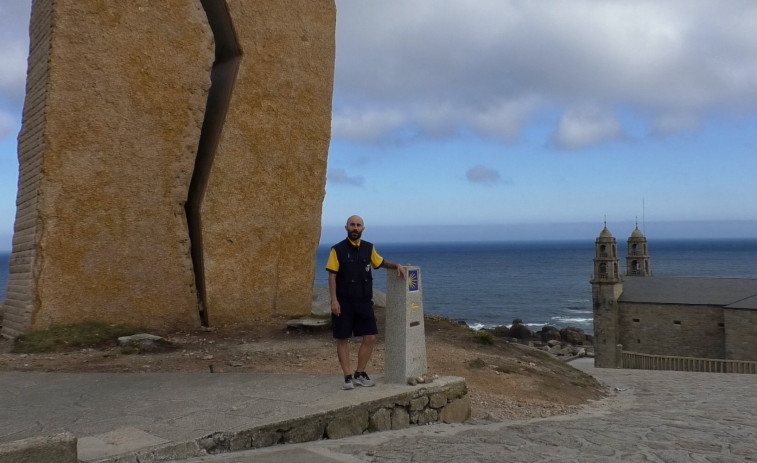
(400, 269)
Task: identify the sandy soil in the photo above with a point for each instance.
(505, 381)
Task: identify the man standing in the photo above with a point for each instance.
(351, 289)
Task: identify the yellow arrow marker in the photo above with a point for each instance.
(414, 306)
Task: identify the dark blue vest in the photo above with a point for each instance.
(354, 279)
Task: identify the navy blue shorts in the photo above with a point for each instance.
(356, 319)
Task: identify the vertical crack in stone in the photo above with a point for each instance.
(222, 77)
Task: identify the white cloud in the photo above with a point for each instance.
(584, 128)
(340, 177)
(440, 68)
(481, 174)
(365, 125)
(503, 121)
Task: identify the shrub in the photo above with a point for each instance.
(483, 337)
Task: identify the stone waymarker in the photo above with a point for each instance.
(172, 162)
(405, 343)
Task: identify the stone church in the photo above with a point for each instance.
(708, 318)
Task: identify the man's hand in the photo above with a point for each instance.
(401, 272)
(336, 309)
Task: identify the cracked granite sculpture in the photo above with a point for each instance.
(172, 162)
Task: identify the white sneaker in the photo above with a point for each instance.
(348, 383)
(362, 379)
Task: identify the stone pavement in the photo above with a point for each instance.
(158, 416)
(651, 416)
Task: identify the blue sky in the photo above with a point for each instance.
(516, 119)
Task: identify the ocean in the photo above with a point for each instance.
(542, 283)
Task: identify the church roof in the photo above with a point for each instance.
(605, 233)
(637, 233)
(733, 293)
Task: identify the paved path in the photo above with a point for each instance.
(652, 416)
(118, 413)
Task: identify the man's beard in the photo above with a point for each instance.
(355, 235)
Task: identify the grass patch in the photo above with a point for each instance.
(483, 337)
(71, 337)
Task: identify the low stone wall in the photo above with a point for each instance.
(60, 448)
(443, 401)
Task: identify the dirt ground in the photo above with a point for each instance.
(505, 381)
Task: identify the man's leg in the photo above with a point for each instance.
(365, 352)
(343, 354)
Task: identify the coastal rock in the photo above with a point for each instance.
(550, 333)
(520, 331)
(573, 335)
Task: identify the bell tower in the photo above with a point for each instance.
(606, 288)
(637, 260)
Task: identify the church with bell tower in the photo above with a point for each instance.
(703, 318)
(606, 288)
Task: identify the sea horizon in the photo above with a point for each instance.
(542, 282)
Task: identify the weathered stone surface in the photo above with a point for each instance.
(321, 305)
(424, 417)
(379, 298)
(520, 331)
(305, 430)
(573, 335)
(380, 420)
(437, 400)
(262, 210)
(60, 448)
(400, 418)
(348, 424)
(456, 389)
(309, 323)
(255, 438)
(100, 224)
(116, 95)
(456, 411)
(419, 403)
(549, 333)
(145, 343)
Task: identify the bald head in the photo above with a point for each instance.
(355, 219)
(354, 227)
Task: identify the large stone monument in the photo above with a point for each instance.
(405, 343)
(172, 162)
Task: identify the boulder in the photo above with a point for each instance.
(144, 343)
(321, 305)
(306, 323)
(550, 333)
(520, 331)
(573, 335)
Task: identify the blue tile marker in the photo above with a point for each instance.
(413, 280)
